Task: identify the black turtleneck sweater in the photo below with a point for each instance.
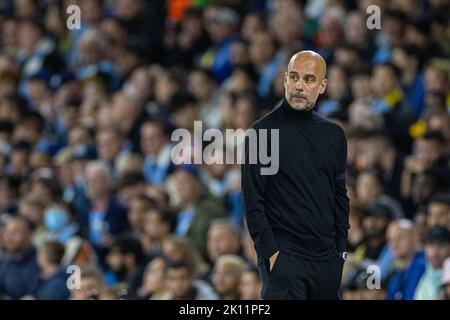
(302, 209)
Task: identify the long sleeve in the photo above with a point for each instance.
(253, 186)
(341, 198)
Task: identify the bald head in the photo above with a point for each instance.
(305, 79)
(311, 57)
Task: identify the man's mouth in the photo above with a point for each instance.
(298, 99)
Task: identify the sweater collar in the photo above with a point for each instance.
(296, 114)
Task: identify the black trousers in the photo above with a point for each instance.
(296, 278)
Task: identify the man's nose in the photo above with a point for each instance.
(299, 85)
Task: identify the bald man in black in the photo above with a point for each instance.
(298, 217)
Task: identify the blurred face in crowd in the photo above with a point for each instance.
(117, 262)
(440, 122)
(439, 214)
(435, 80)
(187, 186)
(424, 187)
(330, 31)
(436, 253)
(375, 227)
(428, 151)
(244, 114)
(98, 183)
(200, 85)
(25, 8)
(368, 189)
(262, 49)
(337, 88)
(355, 28)
(180, 282)
(185, 116)
(222, 240)
(78, 135)
(402, 240)
(115, 33)
(384, 80)
(226, 279)
(109, 144)
(165, 88)
(32, 213)
(152, 138)
(128, 9)
(27, 131)
(288, 26)
(89, 286)
(155, 274)
(219, 30)
(239, 53)
(141, 83)
(91, 51)
(251, 26)
(361, 115)
(360, 86)
(250, 286)
(305, 80)
(155, 228)
(16, 237)
(19, 161)
(172, 250)
(92, 11)
(136, 213)
(125, 110)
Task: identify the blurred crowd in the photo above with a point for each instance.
(86, 117)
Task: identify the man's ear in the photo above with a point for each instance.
(285, 79)
(323, 86)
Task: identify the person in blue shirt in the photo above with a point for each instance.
(53, 278)
(19, 271)
(410, 261)
(107, 216)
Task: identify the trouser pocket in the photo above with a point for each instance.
(275, 282)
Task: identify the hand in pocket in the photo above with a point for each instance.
(272, 260)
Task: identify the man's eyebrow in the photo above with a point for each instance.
(293, 73)
(309, 75)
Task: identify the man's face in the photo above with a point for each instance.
(225, 279)
(428, 151)
(221, 240)
(436, 253)
(186, 186)
(304, 82)
(439, 215)
(179, 282)
(97, 184)
(152, 138)
(250, 286)
(154, 227)
(375, 226)
(136, 213)
(401, 242)
(109, 145)
(16, 236)
(384, 80)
